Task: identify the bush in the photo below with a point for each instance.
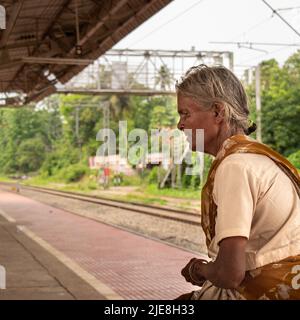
(196, 181)
(152, 176)
(186, 180)
(30, 155)
(61, 157)
(74, 172)
(134, 180)
(92, 185)
(294, 158)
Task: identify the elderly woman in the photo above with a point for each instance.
(250, 206)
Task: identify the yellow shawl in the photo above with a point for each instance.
(278, 280)
(237, 144)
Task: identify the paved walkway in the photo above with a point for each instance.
(33, 273)
(115, 263)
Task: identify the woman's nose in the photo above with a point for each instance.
(180, 126)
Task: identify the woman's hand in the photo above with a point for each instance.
(227, 271)
(191, 273)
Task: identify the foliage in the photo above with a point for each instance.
(74, 172)
(130, 180)
(294, 158)
(280, 96)
(61, 157)
(26, 135)
(154, 174)
(164, 114)
(207, 164)
(30, 155)
(177, 193)
(164, 78)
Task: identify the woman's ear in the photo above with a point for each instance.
(219, 111)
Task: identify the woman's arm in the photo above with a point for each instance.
(227, 271)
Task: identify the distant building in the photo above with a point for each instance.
(114, 162)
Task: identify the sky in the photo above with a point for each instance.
(184, 24)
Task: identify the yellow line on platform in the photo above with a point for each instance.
(99, 286)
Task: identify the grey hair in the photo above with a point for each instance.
(218, 85)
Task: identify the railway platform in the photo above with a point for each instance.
(32, 273)
(50, 253)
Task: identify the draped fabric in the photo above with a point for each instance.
(237, 144)
(278, 280)
(275, 281)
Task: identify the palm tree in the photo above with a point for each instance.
(164, 78)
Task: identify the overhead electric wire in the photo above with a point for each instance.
(275, 12)
(253, 27)
(283, 46)
(291, 8)
(263, 55)
(257, 43)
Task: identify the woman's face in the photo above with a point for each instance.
(193, 116)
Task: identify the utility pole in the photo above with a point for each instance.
(77, 131)
(231, 62)
(258, 103)
(106, 125)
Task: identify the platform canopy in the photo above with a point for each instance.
(46, 41)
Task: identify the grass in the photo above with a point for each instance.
(143, 194)
(152, 189)
(6, 179)
(86, 184)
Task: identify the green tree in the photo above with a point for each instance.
(164, 78)
(294, 158)
(280, 104)
(30, 155)
(20, 130)
(164, 114)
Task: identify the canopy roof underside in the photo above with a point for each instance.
(38, 30)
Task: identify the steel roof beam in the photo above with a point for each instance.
(108, 42)
(62, 61)
(93, 30)
(11, 22)
(64, 5)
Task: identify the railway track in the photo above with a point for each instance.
(164, 213)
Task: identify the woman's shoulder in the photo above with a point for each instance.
(250, 164)
(250, 160)
(251, 172)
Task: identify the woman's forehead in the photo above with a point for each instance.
(185, 102)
